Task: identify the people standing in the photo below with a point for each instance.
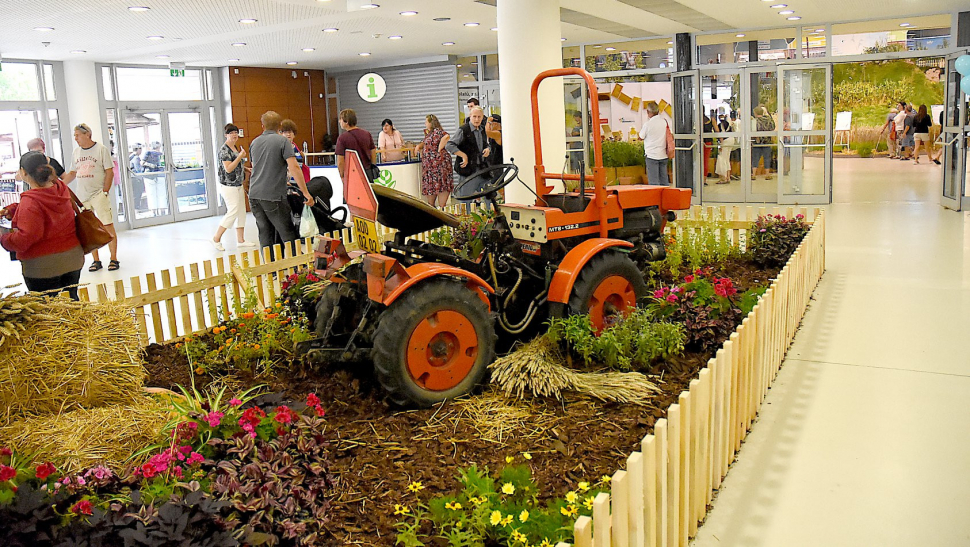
(91, 166)
(39, 145)
(232, 159)
(42, 231)
(761, 151)
(493, 130)
(153, 161)
(922, 122)
(288, 129)
(909, 136)
(390, 142)
(437, 180)
(654, 137)
(273, 158)
(900, 122)
(353, 138)
(709, 127)
(470, 146)
(889, 127)
(727, 146)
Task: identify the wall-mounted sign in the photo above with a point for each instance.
(371, 87)
(176, 73)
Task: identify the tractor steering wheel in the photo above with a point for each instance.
(507, 172)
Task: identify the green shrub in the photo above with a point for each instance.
(622, 154)
(865, 151)
(773, 239)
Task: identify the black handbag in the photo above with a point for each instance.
(373, 172)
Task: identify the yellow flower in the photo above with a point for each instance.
(415, 486)
(508, 488)
(545, 543)
(605, 479)
(495, 518)
(569, 510)
(588, 502)
(523, 516)
(458, 525)
(453, 505)
(571, 497)
(527, 456)
(509, 459)
(401, 509)
(583, 486)
(478, 501)
(507, 520)
(519, 537)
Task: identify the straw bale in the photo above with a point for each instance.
(78, 439)
(75, 355)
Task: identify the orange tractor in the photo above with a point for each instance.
(429, 319)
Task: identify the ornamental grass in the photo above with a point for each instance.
(78, 439)
(70, 355)
(536, 369)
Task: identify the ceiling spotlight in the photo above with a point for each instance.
(794, 18)
(786, 12)
(239, 44)
(331, 29)
(471, 24)
(43, 29)
(779, 6)
(440, 19)
(364, 54)
(161, 56)
(611, 49)
(447, 43)
(395, 37)
(494, 29)
(739, 35)
(247, 21)
(670, 43)
(233, 60)
(155, 37)
(459, 66)
(905, 24)
(597, 46)
(138, 8)
(408, 13)
(78, 51)
(291, 63)
(308, 49)
(562, 39)
(370, 6)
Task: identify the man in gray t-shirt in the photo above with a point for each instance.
(273, 164)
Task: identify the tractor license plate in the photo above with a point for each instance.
(366, 236)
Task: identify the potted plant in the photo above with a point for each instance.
(623, 159)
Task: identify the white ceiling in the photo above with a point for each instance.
(200, 32)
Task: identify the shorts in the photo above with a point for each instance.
(759, 152)
(922, 137)
(101, 205)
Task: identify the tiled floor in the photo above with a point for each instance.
(864, 439)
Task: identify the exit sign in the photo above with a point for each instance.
(176, 73)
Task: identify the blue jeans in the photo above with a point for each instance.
(657, 172)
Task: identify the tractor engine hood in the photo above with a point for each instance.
(409, 215)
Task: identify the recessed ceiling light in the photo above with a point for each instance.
(331, 29)
(440, 19)
(739, 35)
(239, 44)
(905, 24)
(408, 13)
(779, 6)
(291, 63)
(471, 24)
(670, 43)
(820, 30)
(364, 54)
(155, 37)
(562, 39)
(43, 29)
(794, 18)
(247, 21)
(459, 66)
(161, 56)
(786, 12)
(78, 51)
(308, 49)
(495, 29)
(233, 60)
(447, 43)
(370, 6)
(138, 8)
(611, 49)
(395, 37)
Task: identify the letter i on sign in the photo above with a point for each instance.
(370, 86)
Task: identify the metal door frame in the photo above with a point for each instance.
(689, 146)
(954, 138)
(826, 134)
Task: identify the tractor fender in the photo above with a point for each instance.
(565, 277)
(428, 270)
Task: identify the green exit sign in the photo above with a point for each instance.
(176, 73)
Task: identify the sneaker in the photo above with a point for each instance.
(245, 244)
(218, 245)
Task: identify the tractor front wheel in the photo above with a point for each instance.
(608, 288)
(434, 343)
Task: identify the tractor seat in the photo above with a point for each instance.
(570, 202)
(409, 215)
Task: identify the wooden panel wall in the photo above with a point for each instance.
(253, 91)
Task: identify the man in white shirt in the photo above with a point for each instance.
(93, 169)
(654, 136)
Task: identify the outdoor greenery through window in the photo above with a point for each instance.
(18, 82)
(889, 36)
(633, 55)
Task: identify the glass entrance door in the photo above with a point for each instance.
(954, 138)
(690, 160)
(188, 166)
(805, 159)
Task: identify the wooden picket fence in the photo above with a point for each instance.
(662, 496)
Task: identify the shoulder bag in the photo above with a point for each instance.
(671, 147)
(90, 230)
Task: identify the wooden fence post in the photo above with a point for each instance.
(620, 511)
(638, 494)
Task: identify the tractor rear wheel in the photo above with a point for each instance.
(434, 343)
(608, 287)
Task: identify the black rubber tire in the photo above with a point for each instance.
(336, 294)
(603, 265)
(397, 323)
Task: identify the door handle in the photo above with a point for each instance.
(686, 148)
(941, 143)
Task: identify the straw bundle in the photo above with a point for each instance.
(83, 438)
(536, 369)
(496, 417)
(16, 311)
(71, 355)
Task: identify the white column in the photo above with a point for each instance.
(529, 42)
(81, 81)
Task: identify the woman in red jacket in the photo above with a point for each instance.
(43, 233)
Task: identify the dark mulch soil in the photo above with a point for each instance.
(378, 449)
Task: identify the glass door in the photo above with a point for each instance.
(148, 168)
(954, 138)
(688, 168)
(720, 98)
(188, 166)
(759, 107)
(576, 102)
(805, 162)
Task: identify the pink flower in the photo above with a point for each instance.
(80, 481)
(44, 470)
(177, 471)
(312, 400)
(99, 473)
(7, 473)
(214, 418)
(234, 402)
(5, 451)
(671, 298)
(689, 279)
(676, 290)
(763, 230)
(82, 507)
(283, 415)
(658, 294)
(195, 458)
(319, 410)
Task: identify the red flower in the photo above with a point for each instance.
(320, 411)
(689, 279)
(312, 400)
(45, 470)
(284, 415)
(82, 507)
(7, 473)
(252, 416)
(5, 451)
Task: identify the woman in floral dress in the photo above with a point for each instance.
(437, 181)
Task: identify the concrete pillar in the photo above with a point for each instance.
(81, 81)
(529, 42)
